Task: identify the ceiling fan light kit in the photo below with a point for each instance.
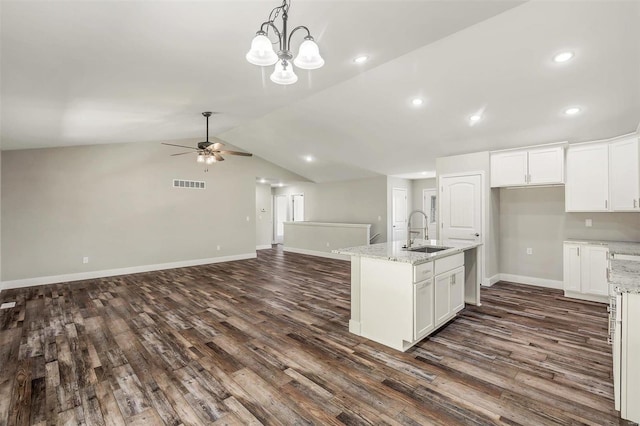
(208, 152)
(262, 53)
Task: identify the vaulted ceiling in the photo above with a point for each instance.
(112, 72)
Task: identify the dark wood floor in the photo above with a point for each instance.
(266, 341)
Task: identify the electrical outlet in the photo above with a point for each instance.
(379, 218)
(218, 248)
(85, 259)
(529, 250)
(328, 245)
(248, 219)
(588, 223)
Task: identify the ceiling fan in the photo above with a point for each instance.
(208, 152)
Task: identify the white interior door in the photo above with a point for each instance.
(461, 208)
(430, 207)
(297, 207)
(281, 216)
(461, 218)
(399, 219)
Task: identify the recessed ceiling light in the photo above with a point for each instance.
(308, 158)
(475, 118)
(572, 111)
(417, 101)
(563, 57)
(424, 173)
(280, 184)
(361, 59)
(263, 180)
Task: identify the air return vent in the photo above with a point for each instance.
(188, 184)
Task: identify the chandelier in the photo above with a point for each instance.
(262, 53)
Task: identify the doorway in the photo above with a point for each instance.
(399, 214)
(462, 219)
(281, 216)
(297, 207)
(430, 207)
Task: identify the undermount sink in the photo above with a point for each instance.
(428, 249)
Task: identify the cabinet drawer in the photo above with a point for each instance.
(422, 272)
(448, 263)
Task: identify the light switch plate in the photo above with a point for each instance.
(588, 223)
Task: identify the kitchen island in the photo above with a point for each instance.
(400, 296)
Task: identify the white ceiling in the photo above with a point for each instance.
(109, 72)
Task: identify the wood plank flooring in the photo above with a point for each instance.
(265, 341)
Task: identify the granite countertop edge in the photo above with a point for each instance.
(393, 251)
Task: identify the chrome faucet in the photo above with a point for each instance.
(425, 229)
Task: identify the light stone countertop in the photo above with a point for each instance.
(394, 252)
(624, 276)
(615, 247)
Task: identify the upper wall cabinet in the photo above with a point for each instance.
(604, 177)
(535, 166)
(624, 175)
(587, 188)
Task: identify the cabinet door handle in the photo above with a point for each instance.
(525, 178)
(578, 248)
(634, 203)
(606, 204)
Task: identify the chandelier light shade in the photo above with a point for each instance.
(263, 54)
(283, 73)
(309, 56)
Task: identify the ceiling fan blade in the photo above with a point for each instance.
(181, 146)
(182, 153)
(218, 156)
(245, 154)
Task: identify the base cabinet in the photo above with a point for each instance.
(585, 271)
(449, 294)
(401, 303)
(423, 317)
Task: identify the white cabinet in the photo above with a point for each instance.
(571, 267)
(457, 290)
(624, 175)
(604, 176)
(423, 314)
(449, 295)
(509, 168)
(587, 187)
(442, 298)
(546, 166)
(536, 166)
(585, 271)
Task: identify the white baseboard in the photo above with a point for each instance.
(354, 327)
(263, 247)
(589, 297)
(491, 280)
(29, 282)
(317, 253)
(538, 282)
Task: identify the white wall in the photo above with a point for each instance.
(352, 201)
(264, 215)
(116, 205)
(535, 218)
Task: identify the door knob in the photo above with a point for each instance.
(476, 234)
